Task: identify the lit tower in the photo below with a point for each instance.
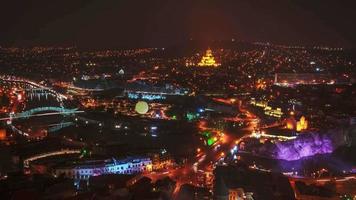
(208, 60)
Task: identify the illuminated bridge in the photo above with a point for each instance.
(41, 110)
(27, 161)
(30, 85)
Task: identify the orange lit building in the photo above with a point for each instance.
(160, 161)
(300, 125)
(238, 193)
(2, 134)
(208, 60)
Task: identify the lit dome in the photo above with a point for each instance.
(141, 107)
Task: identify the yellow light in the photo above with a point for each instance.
(290, 125)
(149, 167)
(208, 60)
(302, 124)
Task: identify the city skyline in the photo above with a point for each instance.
(168, 100)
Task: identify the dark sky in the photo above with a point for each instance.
(135, 23)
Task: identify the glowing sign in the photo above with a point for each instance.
(149, 97)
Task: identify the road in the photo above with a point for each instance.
(206, 157)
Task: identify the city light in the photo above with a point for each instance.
(208, 60)
(203, 114)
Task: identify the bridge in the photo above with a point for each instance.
(31, 85)
(27, 161)
(40, 92)
(32, 112)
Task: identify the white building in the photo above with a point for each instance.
(85, 170)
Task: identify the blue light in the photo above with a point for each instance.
(133, 96)
(235, 148)
(201, 110)
(152, 96)
(149, 97)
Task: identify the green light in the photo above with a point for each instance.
(206, 133)
(211, 141)
(84, 152)
(174, 117)
(192, 116)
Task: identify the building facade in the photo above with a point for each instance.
(84, 171)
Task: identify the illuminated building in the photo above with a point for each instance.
(161, 160)
(143, 90)
(273, 112)
(2, 134)
(261, 104)
(83, 171)
(294, 79)
(268, 110)
(291, 124)
(238, 193)
(302, 124)
(208, 60)
(149, 97)
(261, 84)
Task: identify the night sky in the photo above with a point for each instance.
(141, 23)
